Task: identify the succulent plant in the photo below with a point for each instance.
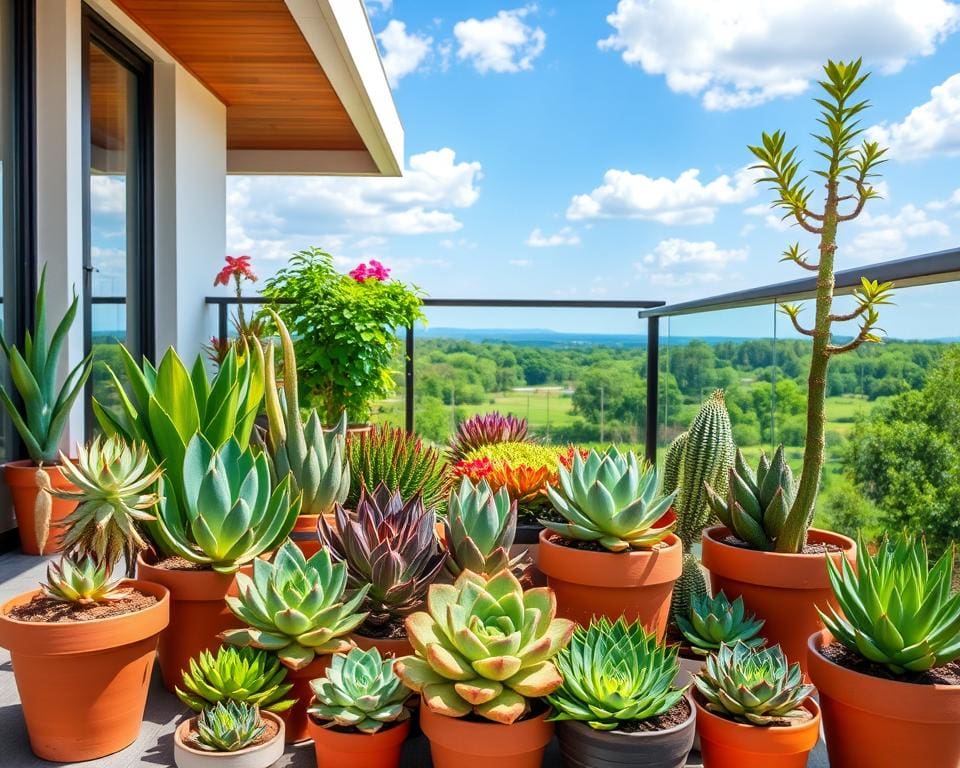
(229, 515)
(757, 506)
(753, 685)
(895, 609)
(360, 691)
(608, 499)
(485, 429)
(484, 646)
(228, 726)
(613, 674)
(84, 581)
(714, 621)
(519, 454)
(238, 674)
(390, 549)
(295, 607)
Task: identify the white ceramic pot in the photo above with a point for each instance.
(260, 756)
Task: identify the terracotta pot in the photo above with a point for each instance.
(260, 756)
(21, 479)
(387, 647)
(783, 590)
(339, 749)
(583, 747)
(304, 533)
(637, 585)
(871, 721)
(458, 742)
(726, 744)
(295, 718)
(83, 685)
(198, 614)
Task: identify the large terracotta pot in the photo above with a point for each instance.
(880, 723)
(83, 685)
(198, 614)
(726, 744)
(296, 718)
(338, 749)
(783, 590)
(636, 584)
(387, 647)
(185, 755)
(458, 742)
(21, 478)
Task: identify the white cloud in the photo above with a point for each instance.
(501, 43)
(933, 128)
(675, 263)
(402, 53)
(939, 205)
(378, 6)
(684, 200)
(565, 236)
(108, 194)
(461, 243)
(888, 236)
(772, 220)
(743, 53)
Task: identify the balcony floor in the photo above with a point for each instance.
(20, 573)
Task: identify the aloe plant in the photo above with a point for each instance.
(83, 581)
(485, 429)
(238, 674)
(228, 727)
(714, 621)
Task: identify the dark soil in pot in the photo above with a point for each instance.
(48, 610)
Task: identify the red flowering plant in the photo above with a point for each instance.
(236, 269)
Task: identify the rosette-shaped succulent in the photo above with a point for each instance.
(228, 727)
(295, 607)
(613, 674)
(240, 674)
(608, 499)
(360, 691)
(485, 429)
(715, 621)
(390, 549)
(753, 685)
(484, 646)
(85, 582)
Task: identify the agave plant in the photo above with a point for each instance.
(484, 646)
(229, 516)
(295, 607)
(753, 685)
(228, 727)
(608, 499)
(390, 549)
(715, 621)
(613, 674)
(236, 674)
(360, 691)
(114, 488)
(895, 610)
(83, 581)
(485, 429)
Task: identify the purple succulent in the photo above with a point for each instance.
(485, 429)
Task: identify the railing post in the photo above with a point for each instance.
(408, 382)
(222, 331)
(653, 385)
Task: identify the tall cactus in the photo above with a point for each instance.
(703, 454)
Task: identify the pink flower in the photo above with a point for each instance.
(374, 270)
(237, 268)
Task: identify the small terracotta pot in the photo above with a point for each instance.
(783, 590)
(339, 749)
(83, 685)
(880, 723)
(637, 585)
(198, 614)
(304, 533)
(21, 479)
(727, 744)
(394, 648)
(260, 756)
(458, 742)
(296, 718)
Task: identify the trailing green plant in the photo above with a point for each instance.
(295, 607)
(753, 685)
(484, 646)
(714, 621)
(895, 609)
(608, 499)
(236, 674)
(228, 726)
(701, 455)
(615, 674)
(83, 581)
(359, 691)
(485, 429)
(229, 515)
(854, 164)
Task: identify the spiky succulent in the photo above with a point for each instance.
(228, 727)
(238, 674)
(390, 549)
(295, 607)
(519, 454)
(714, 621)
(757, 506)
(609, 499)
(485, 429)
(484, 646)
(895, 609)
(753, 685)
(360, 691)
(84, 581)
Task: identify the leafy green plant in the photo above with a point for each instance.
(614, 674)
(855, 164)
(359, 691)
(714, 621)
(753, 685)
(236, 674)
(83, 581)
(228, 726)
(484, 647)
(485, 429)
(895, 609)
(295, 607)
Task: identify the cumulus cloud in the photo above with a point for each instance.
(378, 6)
(933, 128)
(565, 236)
(501, 43)
(939, 205)
(403, 53)
(675, 262)
(751, 51)
(889, 236)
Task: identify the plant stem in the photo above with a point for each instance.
(241, 320)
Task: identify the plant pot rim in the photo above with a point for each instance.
(584, 728)
(392, 733)
(523, 736)
(185, 726)
(195, 585)
(741, 731)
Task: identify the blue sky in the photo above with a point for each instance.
(598, 150)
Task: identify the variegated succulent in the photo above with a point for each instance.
(240, 674)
